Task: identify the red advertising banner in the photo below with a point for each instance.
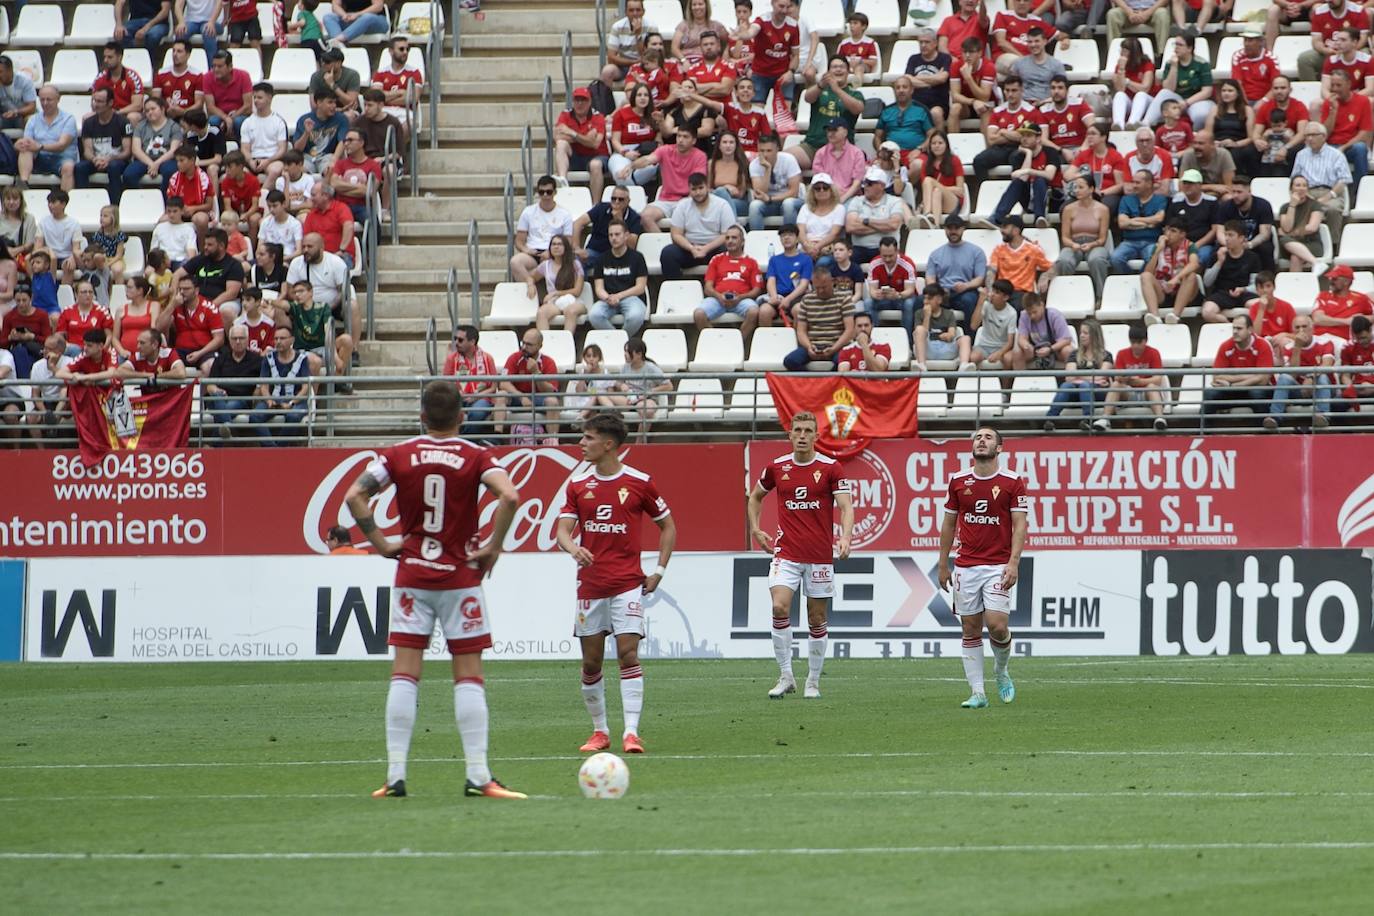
(1245, 492)
(239, 501)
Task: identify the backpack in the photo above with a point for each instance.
(9, 159)
(603, 100)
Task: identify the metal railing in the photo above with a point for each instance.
(508, 193)
(601, 30)
(452, 298)
(412, 159)
(435, 68)
(527, 164)
(456, 27)
(474, 277)
(546, 107)
(432, 345)
(739, 408)
(371, 228)
(567, 69)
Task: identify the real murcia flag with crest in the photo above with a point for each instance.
(116, 418)
(851, 411)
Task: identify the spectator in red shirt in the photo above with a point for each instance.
(96, 363)
(126, 86)
(1146, 388)
(528, 399)
(1335, 309)
(1358, 386)
(195, 324)
(1244, 350)
(191, 183)
(468, 359)
(85, 314)
(151, 360)
(350, 173)
(580, 142)
(394, 76)
(1327, 19)
(1271, 315)
(970, 20)
(1311, 387)
(733, 284)
(1349, 121)
(1279, 162)
(244, 24)
(228, 93)
(177, 86)
(332, 220)
(240, 190)
(863, 354)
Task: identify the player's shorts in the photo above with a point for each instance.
(815, 580)
(619, 615)
(461, 612)
(978, 589)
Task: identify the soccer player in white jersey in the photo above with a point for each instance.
(809, 486)
(439, 575)
(604, 509)
(987, 507)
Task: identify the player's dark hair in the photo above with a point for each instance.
(992, 429)
(609, 425)
(441, 406)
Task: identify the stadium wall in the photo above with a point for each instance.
(1153, 545)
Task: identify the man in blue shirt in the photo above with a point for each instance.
(906, 121)
(49, 142)
(788, 277)
(959, 268)
(1141, 220)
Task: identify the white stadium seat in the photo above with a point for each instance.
(612, 344)
(1081, 59)
(357, 58)
(78, 106)
(967, 145)
(697, 400)
(420, 11)
(560, 347)
(511, 307)
(574, 199)
(291, 69)
(198, 63)
(92, 25)
(139, 61)
(1298, 289)
(718, 350)
(29, 63)
(677, 300)
(85, 205)
(932, 398)
(74, 69)
(757, 244)
(140, 209)
(897, 339)
(769, 346)
(667, 347)
(989, 194)
(651, 245)
(884, 17)
(291, 105)
(825, 19)
(1189, 401)
(920, 243)
(1209, 339)
(664, 15)
(1364, 200)
(1357, 245)
(976, 396)
(1073, 296)
(751, 401)
(133, 255)
(896, 64)
(500, 344)
(40, 26)
(1174, 343)
(1121, 299)
(1031, 396)
(1114, 337)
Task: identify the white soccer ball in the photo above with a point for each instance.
(603, 776)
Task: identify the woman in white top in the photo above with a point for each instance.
(563, 281)
(586, 395)
(821, 219)
(642, 379)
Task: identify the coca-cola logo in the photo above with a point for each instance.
(540, 474)
(874, 495)
(1357, 515)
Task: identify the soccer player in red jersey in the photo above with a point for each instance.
(987, 507)
(439, 577)
(809, 486)
(604, 508)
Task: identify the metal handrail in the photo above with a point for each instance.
(509, 192)
(474, 278)
(432, 345)
(413, 138)
(456, 24)
(527, 164)
(546, 105)
(601, 30)
(371, 226)
(393, 161)
(451, 294)
(435, 68)
(567, 69)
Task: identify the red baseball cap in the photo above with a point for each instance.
(581, 92)
(1341, 270)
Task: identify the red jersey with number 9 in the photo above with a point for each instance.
(984, 506)
(806, 504)
(437, 482)
(609, 514)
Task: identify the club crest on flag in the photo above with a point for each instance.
(842, 413)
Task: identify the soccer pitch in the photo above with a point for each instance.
(1109, 786)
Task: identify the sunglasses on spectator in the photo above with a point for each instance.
(820, 187)
(619, 199)
(546, 192)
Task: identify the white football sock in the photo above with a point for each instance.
(815, 653)
(973, 663)
(594, 696)
(632, 697)
(1001, 654)
(401, 701)
(782, 644)
(470, 709)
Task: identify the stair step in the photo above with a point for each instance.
(482, 69)
(584, 44)
(495, 160)
(488, 231)
(508, 23)
(500, 114)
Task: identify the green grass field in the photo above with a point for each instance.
(1110, 786)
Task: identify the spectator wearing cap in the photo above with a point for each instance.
(579, 139)
(350, 19)
(958, 267)
(1244, 350)
(1327, 173)
(776, 177)
(49, 142)
(888, 160)
(1336, 309)
(698, 229)
(832, 99)
(333, 76)
(539, 223)
(844, 162)
(1033, 177)
(787, 277)
(905, 121)
(1198, 213)
(821, 219)
(1146, 388)
(18, 98)
(872, 215)
(1019, 260)
(930, 70)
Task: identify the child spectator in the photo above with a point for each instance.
(239, 191)
(306, 24)
(860, 50)
(108, 242)
(158, 272)
(295, 182)
(244, 24)
(43, 284)
(173, 236)
(60, 233)
(237, 244)
(280, 226)
(191, 184)
(90, 267)
(258, 322)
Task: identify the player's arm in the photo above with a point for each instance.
(566, 525)
(359, 495)
(507, 501)
(1018, 541)
(947, 528)
(752, 511)
(667, 540)
(846, 503)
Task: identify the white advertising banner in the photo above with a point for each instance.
(710, 605)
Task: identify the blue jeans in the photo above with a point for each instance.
(135, 170)
(1032, 195)
(151, 38)
(787, 209)
(1290, 389)
(764, 85)
(964, 302)
(1082, 393)
(114, 171)
(908, 307)
(366, 24)
(714, 308)
(1224, 399)
(211, 41)
(741, 204)
(1358, 157)
(224, 409)
(1130, 250)
(796, 360)
(632, 307)
(1206, 254)
(475, 418)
